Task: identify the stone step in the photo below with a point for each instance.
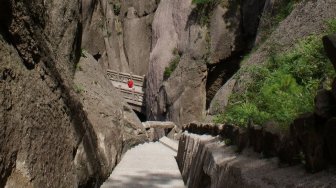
(172, 144)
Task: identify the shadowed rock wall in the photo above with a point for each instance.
(44, 125)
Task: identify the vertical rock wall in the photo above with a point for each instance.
(207, 40)
(120, 31)
(164, 41)
(47, 136)
(38, 46)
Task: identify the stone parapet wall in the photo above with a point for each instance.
(302, 143)
(206, 161)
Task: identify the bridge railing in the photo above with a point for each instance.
(133, 96)
(123, 77)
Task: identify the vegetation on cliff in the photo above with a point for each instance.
(284, 86)
(172, 65)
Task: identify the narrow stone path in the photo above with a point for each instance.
(150, 165)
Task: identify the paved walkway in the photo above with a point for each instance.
(150, 165)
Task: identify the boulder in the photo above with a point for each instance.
(175, 133)
(329, 43)
(157, 129)
(154, 134)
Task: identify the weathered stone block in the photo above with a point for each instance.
(330, 138)
(255, 137)
(271, 139)
(310, 141)
(329, 43)
(324, 104)
(333, 88)
(289, 151)
(241, 139)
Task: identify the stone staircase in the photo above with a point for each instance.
(149, 165)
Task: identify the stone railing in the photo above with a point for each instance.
(137, 97)
(123, 77)
(134, 96)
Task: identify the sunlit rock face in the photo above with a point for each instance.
(208, 40)
(120, 31)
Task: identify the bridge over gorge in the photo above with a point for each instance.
(134, 97)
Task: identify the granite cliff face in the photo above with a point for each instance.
(48, 137)
(61, 122)
(208, 40)
(120, 31)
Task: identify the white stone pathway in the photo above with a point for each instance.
(150, 165)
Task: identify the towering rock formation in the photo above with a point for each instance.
(120, 31)
(49, 138)
(209, 39)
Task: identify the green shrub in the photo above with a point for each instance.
(175, 52)
(78, 88)
(285, 9)
(331, 26)
(307, 62)
(203, 10)
(241, 114)
(282, 88)
(116, 8)
(228, 142)
(172, 66)
(200, 2)
(83, 52)
(78, 67)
